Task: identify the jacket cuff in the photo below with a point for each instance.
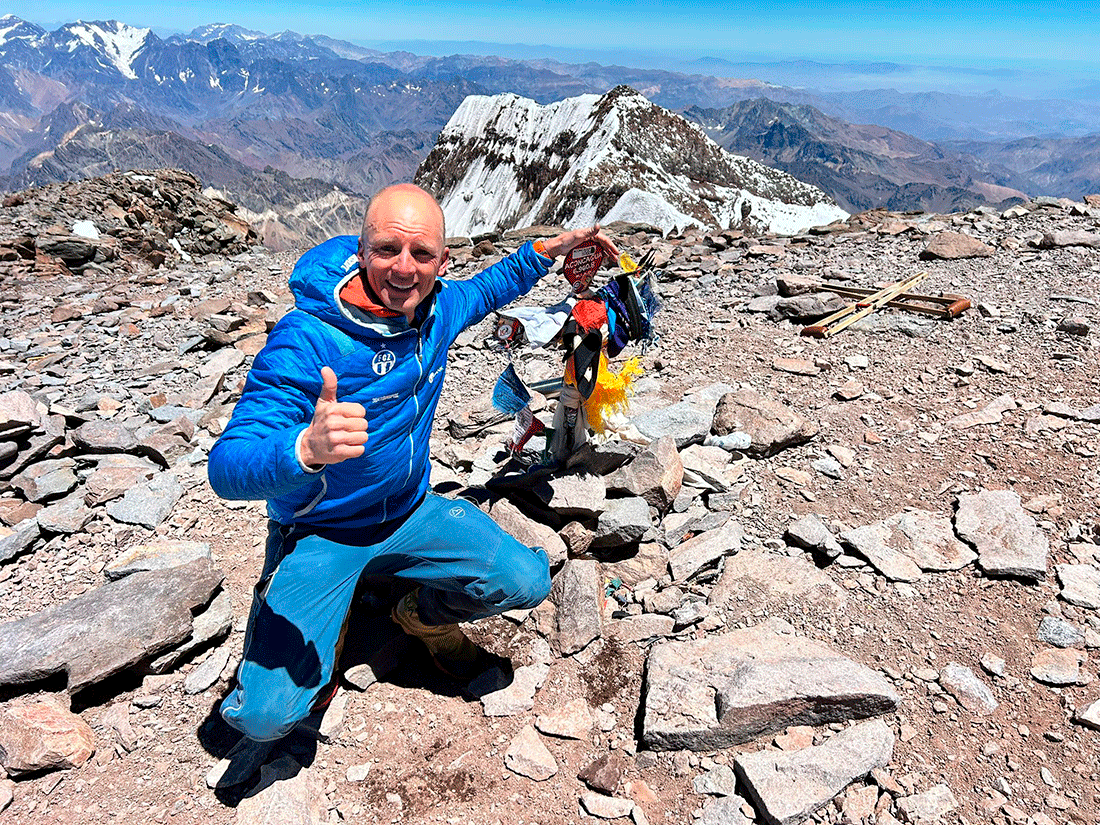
(298, 454)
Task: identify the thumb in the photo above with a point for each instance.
(328, 386)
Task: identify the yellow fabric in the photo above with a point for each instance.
(612, 392)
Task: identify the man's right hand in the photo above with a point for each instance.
(338, 430)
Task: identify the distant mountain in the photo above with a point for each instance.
(504, 162)
(1068, 166)
(862, 167)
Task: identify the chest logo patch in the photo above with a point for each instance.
(457, 512)
(383, 362)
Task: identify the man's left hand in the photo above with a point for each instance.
(561, 245)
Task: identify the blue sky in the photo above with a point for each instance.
(967, 33)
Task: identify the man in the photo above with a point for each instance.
(332, 429)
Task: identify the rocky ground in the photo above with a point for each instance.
(841, 580)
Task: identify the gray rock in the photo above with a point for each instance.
(728, 689)
(624, 521)
(687, 559)
(927, 807)
(105, 437)
(1080, 584)
(157, 555)
(687, 422)
(1090, 716)
(1007, 539)
(655, 474)
(641, 628)
(211, 624)
(810, 533)
(221, 362)
(518, 696)
(573, 720)
(708, 468)
(577, 594)
(606, 807)
(829, 467)
(575, 496)
(528, 531)
(107, 630)
(789, 786)
(19, 539)
(148, 504)
(605, 458)
(772, 426)
(755, 581)
(718, 781)
(528, 756)
(65, 516)
(969, 691)
(726, 810)
(650, 562)
(1069, 237)
(46, 479)
(902, 545)
(873, 542)
(1060, 633)
(950, 246)
(206, 674)
(287, 794)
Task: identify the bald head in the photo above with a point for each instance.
(400, 197)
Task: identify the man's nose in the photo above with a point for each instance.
(405, 262)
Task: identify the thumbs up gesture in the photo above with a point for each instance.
(338, 430)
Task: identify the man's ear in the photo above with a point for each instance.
(445, 261)
(360, 253)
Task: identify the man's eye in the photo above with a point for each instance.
(423, 255)
(387, 251)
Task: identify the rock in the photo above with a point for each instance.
(129, 620)
(727, 689)
(991, 413)
(105, 437)
(221, 362)
(902, 545)
(850, 390)
(605, 774)
(577, 592)
(726, 810)
(605, 458)
(19, 539)
(624, 521)
(950, 246)
(828, 467)
(789, 786)
(208, 626)
(528, 756)
(157, 555)
(1069, 237)
(114, 475)
(655, 474)
(1059, 667)
(40, 735)
(65, 516)
(1059, 632)
(606, 807)
(357, 773)
(755, 582)
(207, 673)
(148, 504)
(810, 533)
(969, 691)
(573, 720)
(1074, 325)
(686, 422)
(46, 479)
(718, 781)
(7, 793)
(518, 697)
(709, 468)
(796, 366)
(1090, 716)
(641, 628)
(19, 413)
(928, 807)
(687, 559)
(287, 794)
(1080, 584)
(575, 496)
(117, 718)
(772, 426)
(528, 531)
(1007, 539)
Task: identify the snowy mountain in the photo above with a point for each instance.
(503, 162)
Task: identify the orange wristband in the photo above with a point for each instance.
(540, 248)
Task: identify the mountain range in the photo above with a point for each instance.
(279, 121)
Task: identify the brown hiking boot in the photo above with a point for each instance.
(451, 651)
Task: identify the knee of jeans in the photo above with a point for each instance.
(262, 722)
(528, 580)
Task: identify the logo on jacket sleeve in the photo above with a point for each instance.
(383, 362)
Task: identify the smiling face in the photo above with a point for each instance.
(401, 250)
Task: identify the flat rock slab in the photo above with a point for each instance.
(951, 246)
(19, 539)
(687, 422)
(149, 503)
(581, 496)
(577, 594)
(573, 720)
(157, 555)
(969, 691)
(771, 425)
(695, 554)
(528, 531)
(927, 807)
(903, 545)
(287, 794)
(1059, 667)
(518, 696)
(624, 522)
(1008, 541)
(108, 629)
(1080, 584)
(755, 580)
(788, 786)
(42, 735)
(991, 413)
(728, 689)
(810, 533)
(528, 756)
(655, 474)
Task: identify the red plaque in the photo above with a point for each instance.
(581, 264)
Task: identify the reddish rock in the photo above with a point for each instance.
(42, 735)
(951, 246)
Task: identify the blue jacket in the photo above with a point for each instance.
(393, 369)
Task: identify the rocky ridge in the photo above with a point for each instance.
(888, 539)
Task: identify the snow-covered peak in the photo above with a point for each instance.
(228, 31)
(117, 43)
(12, 28)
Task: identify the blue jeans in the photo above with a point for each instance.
(467, 566)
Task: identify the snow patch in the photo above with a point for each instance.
(86, 229)
(636, 206)
(115, 41)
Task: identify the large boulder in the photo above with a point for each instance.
(770, 425)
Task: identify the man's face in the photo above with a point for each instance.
(404, 250)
